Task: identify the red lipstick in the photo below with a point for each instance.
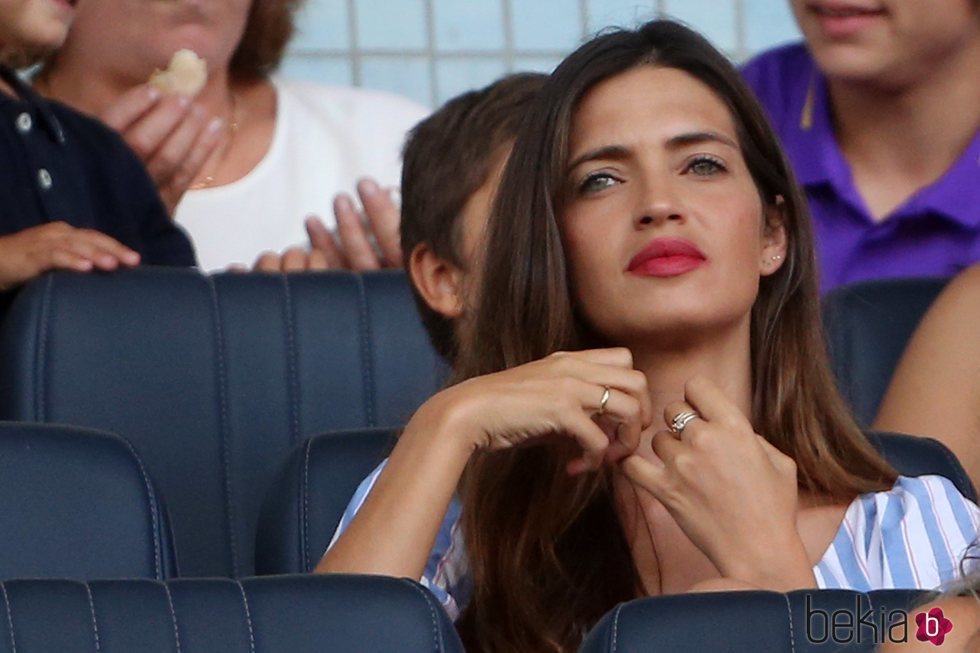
(666, 257)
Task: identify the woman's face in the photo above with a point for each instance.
(663, 225)
(34, 26)
(887, 42)
(134, 37)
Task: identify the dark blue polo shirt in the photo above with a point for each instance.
(60, 165)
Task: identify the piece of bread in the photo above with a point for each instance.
(186, 75)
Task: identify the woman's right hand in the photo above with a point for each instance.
(172, 135)
(560, 394)
(396, 526)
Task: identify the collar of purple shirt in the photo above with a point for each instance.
(812, 147)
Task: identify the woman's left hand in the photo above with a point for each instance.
(731, 492)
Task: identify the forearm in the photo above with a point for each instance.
(394, 531)
(779, 567)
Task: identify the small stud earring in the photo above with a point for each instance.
(776, 257)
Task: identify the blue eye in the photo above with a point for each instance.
(705, 166)
(596, 182)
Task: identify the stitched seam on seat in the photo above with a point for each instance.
(40, 363)
(438, 644)
(615, 628)
(95, 622)
(157, 535)
(792, 635)
(292, 385)
(225, 427)
(10, 617)
(304, 539)
(248, 617)
(173, 615)
(955, 465)
(367, 351)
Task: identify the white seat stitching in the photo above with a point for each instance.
(173, 614)
(248, 617)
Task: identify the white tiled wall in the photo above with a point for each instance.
(431, 50)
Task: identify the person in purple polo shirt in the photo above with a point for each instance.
(879, 113)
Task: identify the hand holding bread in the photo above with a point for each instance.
(173, 135)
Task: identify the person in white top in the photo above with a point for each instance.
(325, 138)
(244, 163)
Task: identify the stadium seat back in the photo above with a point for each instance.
(341, 614)
(304, 506)
(797, 622)
(919, 456)
(215, 378)
(867, 326)
(78, 503)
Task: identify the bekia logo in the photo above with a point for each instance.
(845, 626)
(933, 626)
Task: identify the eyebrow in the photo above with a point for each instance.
(674, 142)
(693, 138)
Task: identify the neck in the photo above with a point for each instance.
(910, 130)
(723, 356)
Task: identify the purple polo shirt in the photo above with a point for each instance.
(935, 232)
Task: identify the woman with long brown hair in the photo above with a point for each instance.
(643, 402)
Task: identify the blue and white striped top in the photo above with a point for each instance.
(910, 537)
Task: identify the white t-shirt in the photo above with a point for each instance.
(325, 139)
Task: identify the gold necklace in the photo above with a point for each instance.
(233, 126)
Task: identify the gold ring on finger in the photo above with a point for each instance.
(604, 400)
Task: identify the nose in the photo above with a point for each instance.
(657, 204)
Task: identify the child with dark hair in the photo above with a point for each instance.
(452, 165)
(75, 196)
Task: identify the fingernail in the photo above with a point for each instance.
(131, 258)
(152, 93)
(216, 125)
(395, 193)
(183, 101)
(344, 203)
(368, 187)
(198, 111)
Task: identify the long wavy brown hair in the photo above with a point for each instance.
(547, 552)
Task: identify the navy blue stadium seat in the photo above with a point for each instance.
(78, 503)
(867, 326)
(918, 456)
(298, 614)
(749, 622)
(308, 498)
(215, 378)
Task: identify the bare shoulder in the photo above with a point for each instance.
(935, 390)
(943, 353)
(961, 298)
